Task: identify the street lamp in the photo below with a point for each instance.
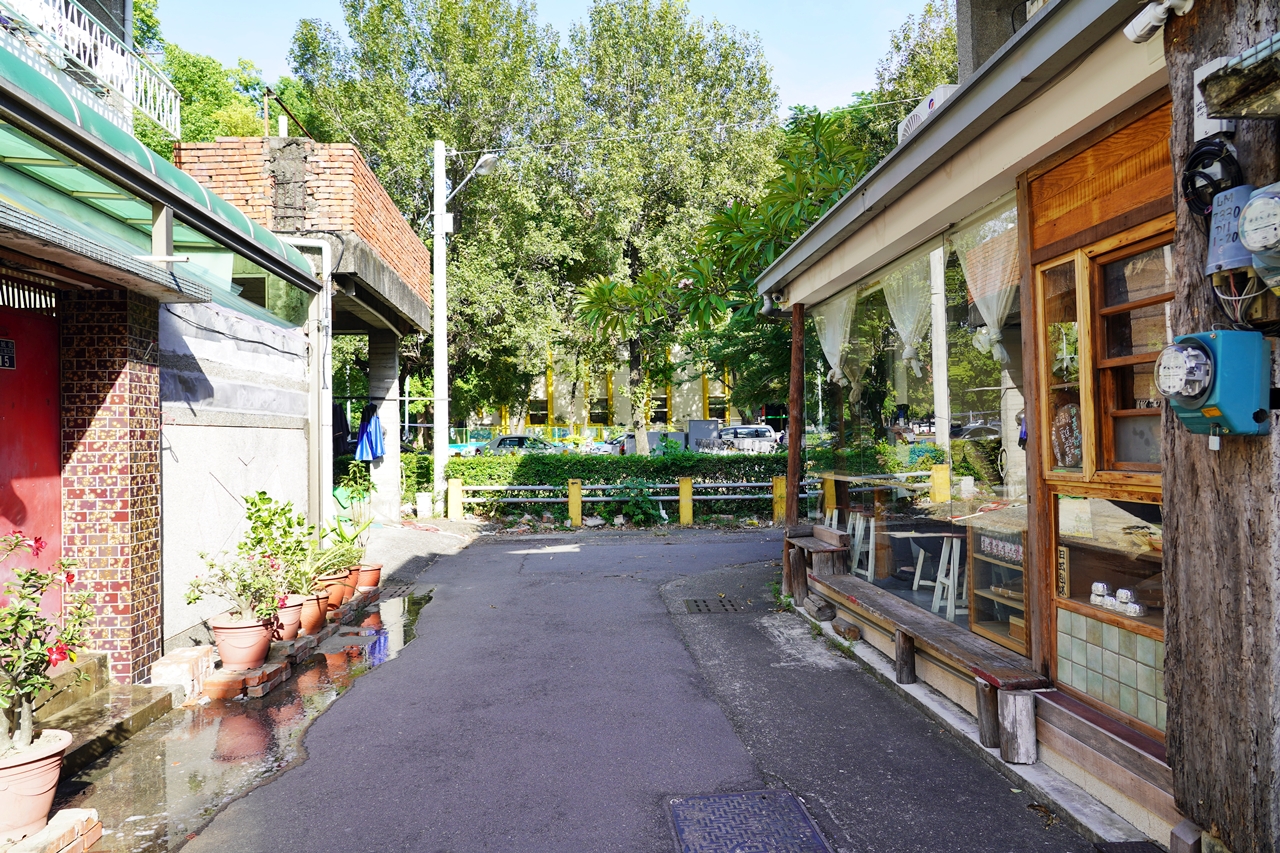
(442, 225)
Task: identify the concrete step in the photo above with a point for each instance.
(101, 722)
(72, 683)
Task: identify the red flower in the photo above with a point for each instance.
(37, 545)
(69, 578)
(58, 653)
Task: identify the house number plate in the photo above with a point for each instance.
(8, 355)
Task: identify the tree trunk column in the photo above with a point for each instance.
(795, 416)
(1221, 528)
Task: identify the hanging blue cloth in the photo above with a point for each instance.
(369, 445)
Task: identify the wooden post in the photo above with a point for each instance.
(988, 714)
(779, 499)
(795, 416)
(795, 577)
(1221, 528)
(575, 503)
(686, 501)
(1017, 726)
(904, 653)
(454, 508)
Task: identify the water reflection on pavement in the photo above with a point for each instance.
(168, 781)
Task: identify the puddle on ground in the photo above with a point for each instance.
(167, 782)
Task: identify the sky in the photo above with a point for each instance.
(821, 51)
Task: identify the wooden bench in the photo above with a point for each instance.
(812, 548)
(996, 670)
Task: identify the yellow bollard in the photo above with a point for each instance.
(575, 503)
(940, 484)
(686, 501)
(828, 496)
(779, 499)
(454, 501)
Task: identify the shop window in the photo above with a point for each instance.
(718, 408)
(1104, 322)
(537, 413)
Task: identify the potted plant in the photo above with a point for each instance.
(253, 586)
(302, 578)
(31, 644)
(283, 539)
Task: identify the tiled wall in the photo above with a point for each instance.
(111, 469)
(1117, 667)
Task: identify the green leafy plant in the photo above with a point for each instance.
(357, 481)
(300, 578)
(639, 507)
(275, 530)
(31, 642)
(254, 586)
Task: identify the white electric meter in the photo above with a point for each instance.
(1184, 371)
(1260, 223)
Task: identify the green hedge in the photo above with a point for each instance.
(531, 469)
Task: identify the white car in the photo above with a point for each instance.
(505, 444)
(750, 438)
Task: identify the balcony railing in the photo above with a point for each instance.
(73, 41)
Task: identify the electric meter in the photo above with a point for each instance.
(1218, 383)
(1184, 372)
(1260, 222)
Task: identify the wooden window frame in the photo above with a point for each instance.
(1096, 383)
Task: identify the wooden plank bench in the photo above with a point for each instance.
(812, 548)
(1002, 678)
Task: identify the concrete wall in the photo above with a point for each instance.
(233, 397)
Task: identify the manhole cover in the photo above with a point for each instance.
(751, 822)
(712, 605)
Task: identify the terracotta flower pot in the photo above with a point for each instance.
(370, 575)
(27, 782)
(314, 608)
(349, 585)
(289, 618)
(242, 644)
(332, 584)
(240, 738)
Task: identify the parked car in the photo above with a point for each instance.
(505, 444)
(976, 431)
(754, 438)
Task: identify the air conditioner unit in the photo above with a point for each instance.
(925, 108)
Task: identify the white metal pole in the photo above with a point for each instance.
(941, 381)
(439, 331)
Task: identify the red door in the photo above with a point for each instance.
(30, 465)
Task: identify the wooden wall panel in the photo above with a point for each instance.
(1119, 174)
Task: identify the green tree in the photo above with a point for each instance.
(685, 107)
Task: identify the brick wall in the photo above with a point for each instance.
(293, 184)
(111, 469)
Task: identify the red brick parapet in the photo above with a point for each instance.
(294, 184)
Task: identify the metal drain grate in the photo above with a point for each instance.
(750, 822)
(396, 589)
(712, 605)
(1126, 847)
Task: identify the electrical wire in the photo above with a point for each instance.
(230, 336)
(754, 123)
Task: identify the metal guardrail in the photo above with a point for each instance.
(75, 42)
(616, 487)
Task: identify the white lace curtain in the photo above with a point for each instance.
(906, 293)
(988, 252)
(845, 350)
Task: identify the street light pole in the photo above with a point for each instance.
(442, 224)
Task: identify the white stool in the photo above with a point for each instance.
(949, 579)
(862, 530)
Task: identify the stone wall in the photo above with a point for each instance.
(295, 184)
(111, 469)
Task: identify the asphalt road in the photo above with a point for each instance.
(558, 693)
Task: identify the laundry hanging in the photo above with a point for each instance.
(369, 445)
(988, 252)
(849, 331)
(907, 295)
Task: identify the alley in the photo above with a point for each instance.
(559, 693)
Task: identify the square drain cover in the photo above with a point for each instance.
(1126, 847)
(751, 822)
(712, 605)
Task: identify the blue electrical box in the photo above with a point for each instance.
(1218, 383)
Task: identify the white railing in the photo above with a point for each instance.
(77, 44)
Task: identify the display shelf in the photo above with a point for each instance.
(995, 560)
